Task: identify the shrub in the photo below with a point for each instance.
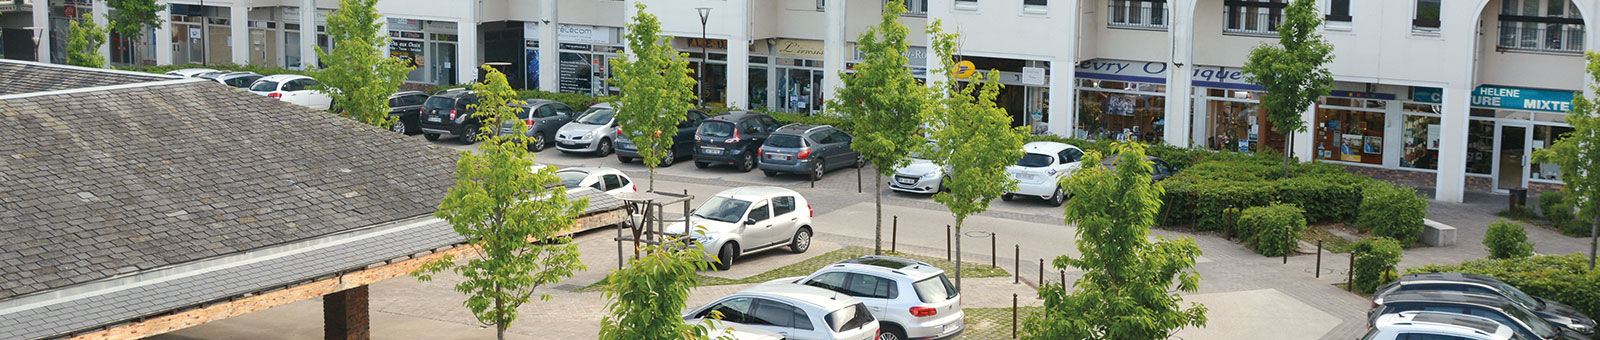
(1322, 196)
(1565, 278)
(1271, 230)
(1507, 240)
(1214, 200)
(1178, 158)
(1557, 209)
(1375, 258)
(1392, 211)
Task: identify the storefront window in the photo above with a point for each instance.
(1480, 146)
(1236, 121)
(1114, 110)
(758, 87)
(1349, 130)
(799, 85)
(1421, 142)
(1544, 137)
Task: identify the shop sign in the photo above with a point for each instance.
(397, 24)
(795, 48)
(1033, 75)
(1430, 95)
(575, 47)
(965, 69)
(715, 44)
(405, 35)
(1361, 95)
(583, 34)
(1156, 72)
(409, 51)
(1522, 99)
(439, 26)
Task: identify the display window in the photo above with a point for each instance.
(1349, 130)
(1236, 122)
(1121, 111)
(1420, 136)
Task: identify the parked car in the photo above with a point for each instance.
(1437, 325)
(1524, 322)
(920, 176)
(591, 132)
(742, 332)
(293, 88)
(1040, 170)
(812, 150)
(732, 138)
(682, 142)
(1554, 312)
(189, 72)
(406, 108)
(451, 113)
(237, 80)
(1159, 169)
(608, 180)
(794, 311)
(746, 220)
(543, 118)
(911, 299)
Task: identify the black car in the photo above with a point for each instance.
(807, 149)
(1159, 169)
(1554, 312)
(682, 143)
(732, 138)
(543, 118)
(450, 113)
(1524, 322)
(406, 108)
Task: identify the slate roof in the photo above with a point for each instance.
(106, 182)
(26, 77)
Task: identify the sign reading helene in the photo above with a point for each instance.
(793, 48)
(1522, 99)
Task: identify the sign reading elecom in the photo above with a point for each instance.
(1522, 99)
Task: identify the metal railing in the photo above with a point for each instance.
(1251, 20)
(1137, 14)
(1541, 37)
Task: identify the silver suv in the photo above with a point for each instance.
(911, 299)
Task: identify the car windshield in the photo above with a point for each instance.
(722, 209)
(264, 86)
(1518, 296)
(571, 179)
(716, 129)
(1540, 327)
(935, 289)
(785, 141)
(1034, 160)
(596, 117)
(439, 103)
(242, 81)
(849, 317)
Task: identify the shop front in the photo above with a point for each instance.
(1507, 125)
(1025, 95)
(428, 46)
(584, 61)
(1350, 127)
(797, 75)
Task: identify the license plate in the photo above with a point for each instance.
(435, 119)
(907, 181)
(711, 150)
(778, 157)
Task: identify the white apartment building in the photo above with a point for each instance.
(1449, 94)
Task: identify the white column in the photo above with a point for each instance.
(1198, 121)
(772, 76)
(41, 20)
(163, 38)
(239, 32)
(1393, 130)
(738, 54)
(466, 63)
(549, 53)
(1063, 95)
(1303, 140)
(102, 17)
(939, 10)
(383, 30)
(1180, 74)
(308, 33)
(833, 41)
(1452, 173)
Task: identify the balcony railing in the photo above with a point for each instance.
(1541, 37)
(1137, 14)
(1252, 20)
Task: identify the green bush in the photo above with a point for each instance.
(1178, 158)
(1557, 209)
(1217, 202)
(1565, 278)
(1392, 211)
(1375, 258)
(1271, 230)
(1507, 240)
(1324, 198)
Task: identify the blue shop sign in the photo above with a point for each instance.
(1517, 98)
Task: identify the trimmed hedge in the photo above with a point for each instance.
(1392, 211)
(1565, 278)
(1375, 258)
(1557, 209)
(1271, 230)
(1324, 196)
(1507, 240)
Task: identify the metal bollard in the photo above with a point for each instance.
(1319, 259)
(894, 234)
(858, 181)
(1013, 315)
(1018, 265)
(994, 256)
(1350, 274)
(947, 255)
(1041, 272)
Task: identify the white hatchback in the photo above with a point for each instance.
(911, 299)
(1040, 170)
(741, 221)
(1437, 325)
(796, 312)
(608, 180)
(293, 88)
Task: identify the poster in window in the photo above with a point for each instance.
(1433, 136)
(575, 75)
(533, 69)
(409, 51)
(1121, 105)
(1374, 145)
(1350, 150)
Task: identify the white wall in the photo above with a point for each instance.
(1523, 69)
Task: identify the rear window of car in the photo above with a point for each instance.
(786, 141)
(1035, 160)
(264, 86)
(241, 81)
(522, 112)
(935, 289)
(571, 179)
(439, 103)
(849, 317)
(716, 129)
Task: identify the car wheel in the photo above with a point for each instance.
(726, 256)
(668, 160)
(469, 136)
(538, 143)
(623, 159)
(747, 162)
(398, 127)
(431, 136)
(1058, 198)
(892, 333)
(701, 165)
(817, 168)
(770, 173)
(605, 147)
(1006, 197)
(801, 240)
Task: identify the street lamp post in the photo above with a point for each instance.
(38, 34)
(700, 96)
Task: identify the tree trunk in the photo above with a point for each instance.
(500, 324)
(1594, 236)
(653, 178)
(877, 202)
(1288, 140)
(959, 220)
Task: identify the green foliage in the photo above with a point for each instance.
(509, 214)
(1557, 209)
(1271, 230)
(1218, 203)
(133, 17)
(1392, 211)
(1507, 240)
(1128, 289)
(1293, 71)
(1563, 278)
(648, 296)
(1323, 196)
(357, 74)
(1375, 258)
(1179, 158)
(657, 91)
(84, 39)
(1577, 151)
(1211, 192)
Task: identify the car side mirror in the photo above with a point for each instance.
(749, 221)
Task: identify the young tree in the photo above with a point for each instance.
(1126, 291)
(1578, 153)
(657, 91)
(649, 294)
(882, 102)
(84, 38)
(973, 140)
(133, 18)
(509, 214)
(1293, 72)
(357, 74)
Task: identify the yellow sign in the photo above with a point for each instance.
(794, 48)
(965, 68)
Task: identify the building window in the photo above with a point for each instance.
(917, 8)
(1253, 17)
(1039, 3)
(1419, 136)
(1339, 10)
(1426, 19)
(1541, 25)
(1350, 130)
(1148, 14)
(821, 5)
